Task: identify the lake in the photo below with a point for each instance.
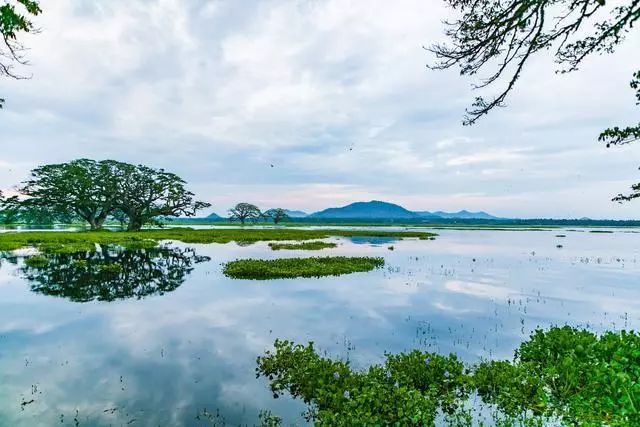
(170, 341)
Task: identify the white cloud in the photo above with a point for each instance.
(334, 94)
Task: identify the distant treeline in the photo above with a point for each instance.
(540, 222)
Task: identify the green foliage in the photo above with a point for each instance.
(95, 190)
(69, 241)
(145, 194)
(37, 261)
(306, 246)
(14, 20)
(339, 396)
(562, 375)
(245, 211)
(288, 268)
(276, 215)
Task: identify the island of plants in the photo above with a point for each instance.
(289, 268)
(80, 241)
(305, 246)
(562, 376)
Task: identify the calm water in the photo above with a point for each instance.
(167, 340)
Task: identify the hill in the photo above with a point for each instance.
(374, 209)
(463, 214)
(296, 214)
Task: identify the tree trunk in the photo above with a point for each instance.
(135, 224)
(92, 224)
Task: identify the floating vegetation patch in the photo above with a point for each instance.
(288, 268)
(601, 231)
(70, 242)
(37, 261)
(305, 246)
(561, 376)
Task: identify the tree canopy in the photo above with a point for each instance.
(15, 19)
(95, 190)
(502, 36)
(277, 215)
(243, 212)
(146, 193)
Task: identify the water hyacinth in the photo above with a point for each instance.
(427, 361)
(336, 375)
(346, 394)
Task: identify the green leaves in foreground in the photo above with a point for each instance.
(287, 268)
(563, 375)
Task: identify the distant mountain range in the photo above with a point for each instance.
(296, 214)
(376, 209)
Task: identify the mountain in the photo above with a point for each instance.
(296, 214)
(463, 214)
(367, 210)
(213, 215)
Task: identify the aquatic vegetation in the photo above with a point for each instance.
(564, 374)
(36, 261)
(288, 268)
(68, 242)
(306, 246)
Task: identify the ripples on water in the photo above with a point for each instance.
(166, 339)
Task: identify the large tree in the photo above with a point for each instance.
(502, 35)
(14, 19)
(146, 193)
(84, 188)
(243, 212)
(277, 215)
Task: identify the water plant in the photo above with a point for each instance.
(561, 376)
(56, 242)
(305, 246)
(36, 261)
(288, 268)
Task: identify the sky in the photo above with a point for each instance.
(313, 104)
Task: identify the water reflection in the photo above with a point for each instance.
(164, 361)
(365, 240)
(110, 274)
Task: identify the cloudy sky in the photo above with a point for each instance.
(333, 93)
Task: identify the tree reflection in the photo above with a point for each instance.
(110, 274)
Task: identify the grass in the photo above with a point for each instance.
(85, 241)
(305, 246)
(289, 268)
(561, 376)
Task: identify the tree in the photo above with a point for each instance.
(146, 193)
(9, 209)
(12, 22)
(277, 215)
(84, 188)
(121, 217)
(506, 34)
(244, 211)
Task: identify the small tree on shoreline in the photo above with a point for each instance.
(277, 215)
(243, 212)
